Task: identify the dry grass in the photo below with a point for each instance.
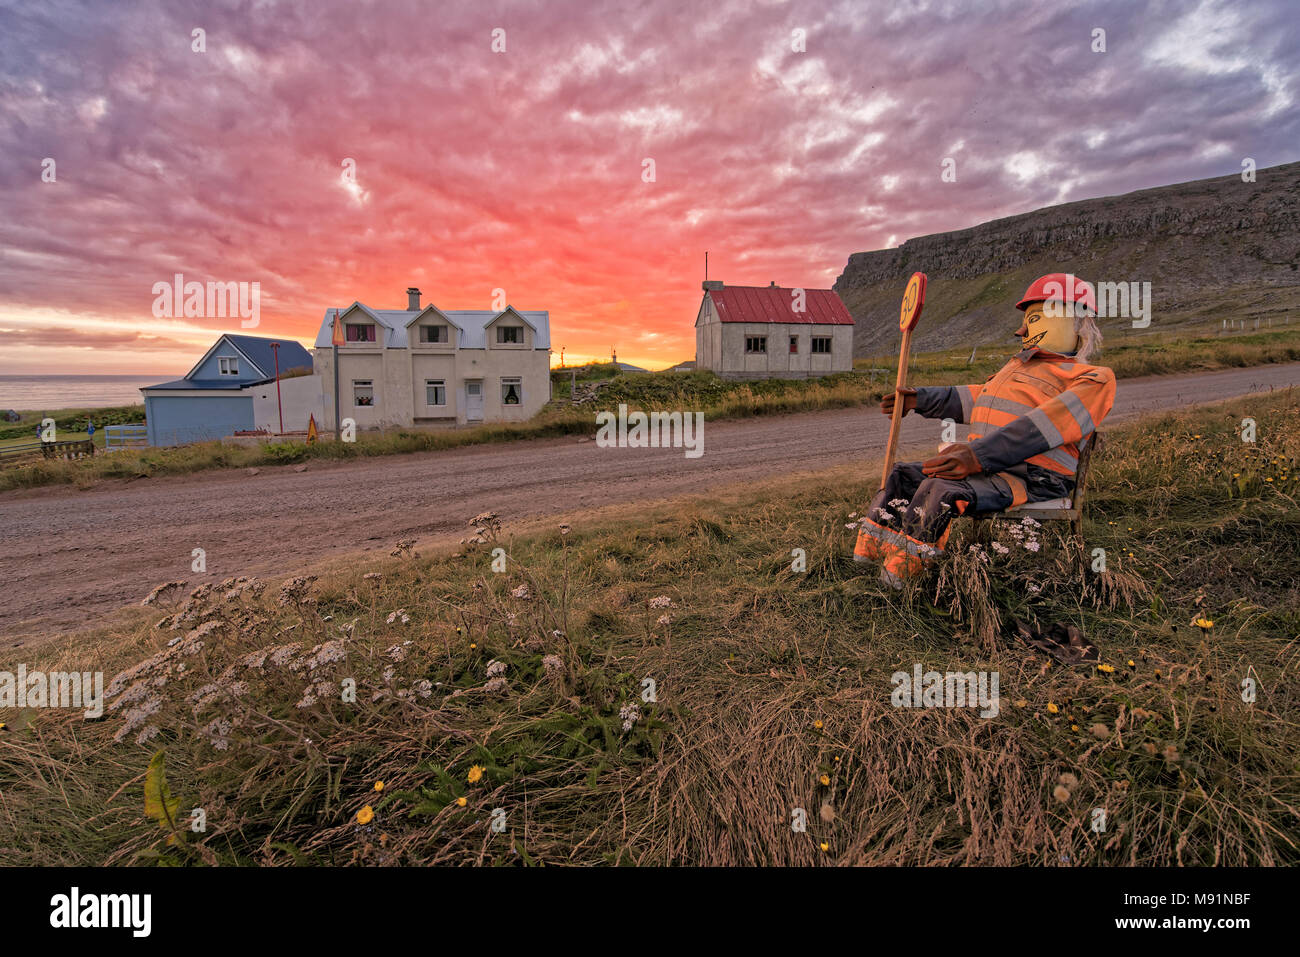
(766, 680)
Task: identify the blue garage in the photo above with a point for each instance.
(213, 400)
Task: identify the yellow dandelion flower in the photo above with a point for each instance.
(1108, 669)
(379, 785)
(461, 802)
(818, 724)
(1203, 623)
(825, 780)
(475, 774)
(1051, 708)
(472, 646)
(365, 815)
(1074, 727)
(1131, 663)
(824, 846)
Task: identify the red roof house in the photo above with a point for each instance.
(762, 332)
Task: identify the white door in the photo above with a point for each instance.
(474, 401)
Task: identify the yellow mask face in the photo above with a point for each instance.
(1051, 330)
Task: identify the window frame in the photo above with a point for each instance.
(434, 327)
(518, 383)
(517, 331)
(368, 328)
(761, 341)
(227, 365)
(828, 340)
(365, 384)
(794, 345)
(435, 384)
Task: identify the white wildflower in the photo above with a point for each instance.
(630, 713)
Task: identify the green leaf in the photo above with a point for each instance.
(158, 801)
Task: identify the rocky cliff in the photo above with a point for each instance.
(1211, 249)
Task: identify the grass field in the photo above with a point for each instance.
(516, 697)
(687, 391)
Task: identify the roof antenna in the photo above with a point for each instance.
(706, 265)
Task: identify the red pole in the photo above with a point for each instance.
(275, 349)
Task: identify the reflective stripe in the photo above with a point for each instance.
(1004, 405)
(964, 393)
(1076, 408)
(1045, 426)
(899, 540)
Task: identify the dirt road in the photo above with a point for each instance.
(68, 556)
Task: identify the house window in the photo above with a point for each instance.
(512, 390)
(794, 344)
(433, 333)
(755, 344)
(359, 332)
(512, 335)
(821, 344)
(363, 392)
(228, 365)
(435, 391)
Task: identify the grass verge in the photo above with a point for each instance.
(518, 698)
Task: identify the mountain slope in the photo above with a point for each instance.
(1211, 249)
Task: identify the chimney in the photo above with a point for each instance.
(413, 299)
(711, 284)
(772, 284)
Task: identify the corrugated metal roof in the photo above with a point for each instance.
(258, 349)
(471, 322)
(776, 304)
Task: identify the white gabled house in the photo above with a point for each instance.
(435, 367)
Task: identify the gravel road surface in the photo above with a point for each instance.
(69, 556)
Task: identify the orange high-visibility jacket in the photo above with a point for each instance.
(1035, 411)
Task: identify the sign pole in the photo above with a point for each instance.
(909, 315)
(335, 337)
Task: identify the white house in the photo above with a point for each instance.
(772, 332)
(434, 367)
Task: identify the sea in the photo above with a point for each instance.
(37, 393)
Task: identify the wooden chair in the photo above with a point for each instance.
(1059, 509)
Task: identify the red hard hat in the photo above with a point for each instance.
(1059, 287)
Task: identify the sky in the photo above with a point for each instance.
(578, 157)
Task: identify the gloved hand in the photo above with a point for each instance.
(909, 401)
(954, 462)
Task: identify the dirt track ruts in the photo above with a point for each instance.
(68, 556)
